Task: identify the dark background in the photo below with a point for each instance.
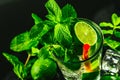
(15, 17)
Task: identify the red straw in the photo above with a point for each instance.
(87, 64)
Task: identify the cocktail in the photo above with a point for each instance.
(84, 59)
(61, 41)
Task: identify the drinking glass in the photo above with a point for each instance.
(87, 69)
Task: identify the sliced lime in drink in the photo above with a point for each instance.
(85, 33)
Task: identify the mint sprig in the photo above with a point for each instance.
(54, 37)
(112, 30)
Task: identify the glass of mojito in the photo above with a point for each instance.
(83, 60)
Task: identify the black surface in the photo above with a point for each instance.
(15, 17)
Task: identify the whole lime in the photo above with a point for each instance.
(43, 69)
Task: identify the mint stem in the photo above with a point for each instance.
(28, 58)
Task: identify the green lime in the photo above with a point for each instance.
(85, 33)
(43, 69)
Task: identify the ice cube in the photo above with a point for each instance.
(111, 62)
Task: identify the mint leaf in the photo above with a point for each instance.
(115, 19)
(12, 59)
(113, 29)
(49, 23)
(107, 31)
(18, 65)
(105, 24)
(22, 42)
(54, 11)
(39, 30)
(68, 11)
(34, 51)
(58, 51)
(111, 43)
(117, 33)
(20, 71)
(48, 38)
(44, 52)
(36, 18)
(63, 35)
(117, 27)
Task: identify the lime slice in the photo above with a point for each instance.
(85, 33)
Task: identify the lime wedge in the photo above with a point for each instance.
(85, 33)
